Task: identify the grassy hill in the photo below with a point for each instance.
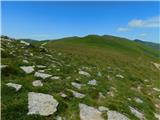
(124, 70)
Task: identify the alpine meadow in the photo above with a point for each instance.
(77, 76)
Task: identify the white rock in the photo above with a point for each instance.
(41, 71)
(24, 42)
(27, 69)
(25, 61)
(114, 115)
(156, 89)
(59, 54)
(63, 95)
(44, 43)
(55, 77)
(37, 83)
(31, 54)
(58, 118)
(120, 76)
(76, 85)
(157, 116)
(42, 104)
(99, 74)
(157, 65)
(101, 96)
(42, 75)
(102, 108)
(78, 95)
(84, 73)
(138, 100)
(41, 66)
(89, 113)
(16, 86)
(92, 82)
(137, 113)
(3, 66)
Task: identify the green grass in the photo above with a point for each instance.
(128, 58)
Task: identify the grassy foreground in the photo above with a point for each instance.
(107, 55)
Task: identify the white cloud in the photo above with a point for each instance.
(122, 29)
(151, 22)
(143, 34)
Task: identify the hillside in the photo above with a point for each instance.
(80, 78)
(150, 44)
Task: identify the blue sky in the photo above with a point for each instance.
(51, 20)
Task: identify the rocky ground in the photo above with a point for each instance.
(43, 83)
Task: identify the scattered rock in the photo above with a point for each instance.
(55, 78)
(78, 95)
(3, 66)
(157, 116)
(25, 61)
(84, 73)
(24, 42)
(16, 86)
(101, 96)
(137, 113)
(99, 74)
(42, 75)
(114, 115)
(92, 82)
(120, 76)
(156, 89)
(37, 83)
(63, 95)
(41, 71)
(89, 113)
(44, 43)
(27, 69)
(102, 109)
(58, 118)
(42, 104)
(76, 85)
(138, 100)
(41, 66)
(157, 65)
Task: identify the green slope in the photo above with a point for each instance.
(108, 55)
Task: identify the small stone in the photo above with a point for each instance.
(58, 118)
(41, 66)
(25, 61)
(37, 83)
(157, 116)
(42, 75)
(42, 104)
(138, 100)
(27, 69)
(41, 71)
(3, 66)
(137, 113)
(24, 42)
(84, 73)
(55, 78)
(89, 113)
(78, 95)
(16, 86)
(156, 89)
(63, 95)
(114, 115)
(101, 96)
(92, 82)
(157, 65)
(99, 74)
(102, 108)
(76, 85)
(120, 76)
